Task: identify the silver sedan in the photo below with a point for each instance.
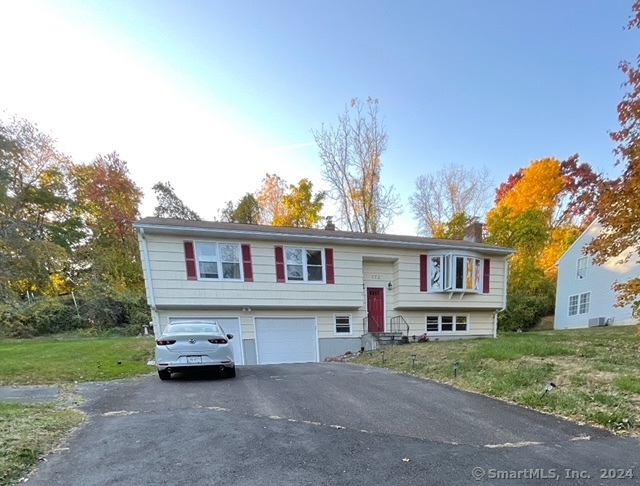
(194, 345)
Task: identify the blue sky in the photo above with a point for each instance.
(211, 95)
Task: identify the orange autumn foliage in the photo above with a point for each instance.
(538, 188)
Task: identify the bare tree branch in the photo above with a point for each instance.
(454, 190)
(351, 154)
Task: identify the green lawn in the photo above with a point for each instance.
(596, 371)
(64, 359)
(27, 432)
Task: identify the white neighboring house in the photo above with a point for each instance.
(291, 295)
(584, 297)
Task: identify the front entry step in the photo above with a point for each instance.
(374, 340)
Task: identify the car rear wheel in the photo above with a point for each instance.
(231, 372)
(164, 375)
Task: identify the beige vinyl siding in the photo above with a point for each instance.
(354, 267)
(325, 319)
(172, 288)
(480, 323)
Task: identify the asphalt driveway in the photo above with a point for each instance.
(322, 424)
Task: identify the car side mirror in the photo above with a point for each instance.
(230, 336)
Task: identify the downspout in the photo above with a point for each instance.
(504, 296)
(149, 280)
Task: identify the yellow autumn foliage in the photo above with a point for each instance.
(538, 189)
(560, 239)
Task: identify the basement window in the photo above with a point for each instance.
(343, 324)
(447, 323)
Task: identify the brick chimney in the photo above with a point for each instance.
(330, 226)
(473, 232)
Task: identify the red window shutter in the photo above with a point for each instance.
(190, 259)
(246, 263)
(423, 273)
(280, 264)
(328, 254)
(486, 274)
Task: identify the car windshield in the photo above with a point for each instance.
(193, 328)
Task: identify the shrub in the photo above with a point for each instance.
(524, 312)
(43, 316)
(98, 311)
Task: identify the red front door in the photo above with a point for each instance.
(375, 309)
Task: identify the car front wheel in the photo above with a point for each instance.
(164, 375)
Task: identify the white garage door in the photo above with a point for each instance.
(231, 325)
(286, 340)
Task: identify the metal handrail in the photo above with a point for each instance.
(365, 323)
(398, 324)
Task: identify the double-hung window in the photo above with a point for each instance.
(581, 270)
(579, 303)
(343, 324)
(218, 261)
(455, 272)
(304, 264)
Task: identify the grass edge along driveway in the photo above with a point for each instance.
(28, 432)
(595, 371)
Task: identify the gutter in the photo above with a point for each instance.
(147, 268)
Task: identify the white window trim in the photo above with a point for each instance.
(219, 261)
(580, 301)
(447, 333)
(447, 278)
(305, 279)
(335, 332)
(586, 265)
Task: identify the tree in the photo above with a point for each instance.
(618, 207)
(109, 201)
(270, 198)
(301, 207)
(351, 155)
(227, 213)
(455, 229)
(452, 193)
(170, 205)
(540, 211)
(567, 189)
(38, 224)
(247, 211)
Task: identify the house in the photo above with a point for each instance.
(584, 294)
(301, 295)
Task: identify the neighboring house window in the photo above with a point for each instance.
(455, 272)
(579, 303)
(581, 272)
(218, 261)
(304, 264)
(343, 324)
(447, 323)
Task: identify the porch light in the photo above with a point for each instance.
(390, 286)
